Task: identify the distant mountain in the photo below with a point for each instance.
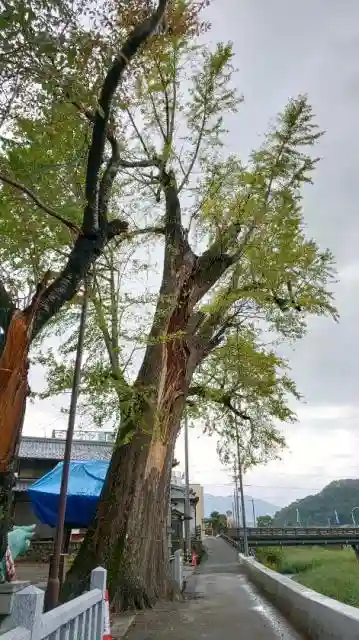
(340, 496)
(224, 503)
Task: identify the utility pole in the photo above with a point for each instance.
(187, 510)
(240, 479)
(254, 514)
(298, 518)
(53, 584)
(235, 517)
(236, 497)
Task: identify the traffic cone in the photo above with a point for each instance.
(107, 626)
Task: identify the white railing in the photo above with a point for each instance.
(80, 619)
(17, 634)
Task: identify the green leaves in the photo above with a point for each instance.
(244, 381)
(171, 113)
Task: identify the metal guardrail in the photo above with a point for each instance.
(296, 532)
(295, 536)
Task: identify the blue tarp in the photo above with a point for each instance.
(85, 485)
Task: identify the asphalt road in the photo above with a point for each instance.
(220, 603)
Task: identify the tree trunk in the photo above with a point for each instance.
(13, 391)
(128, 536)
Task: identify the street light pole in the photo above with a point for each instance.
(353, 518)
(240, 479)
(187, 509)
(53, 584)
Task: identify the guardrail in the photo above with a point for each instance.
(80, 619)
(270, 536)
(295, 532)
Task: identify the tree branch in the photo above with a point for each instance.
(144, 146)
(91, 243)
(175, 235)
(107, 181)
(219, 397)
(135, 40)
(197, 147)
(51, 212)
(7, 308)
(123, 163)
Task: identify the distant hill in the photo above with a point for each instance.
(224, 503)
(341, 496)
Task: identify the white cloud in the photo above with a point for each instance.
(349, 274)
(317, 453)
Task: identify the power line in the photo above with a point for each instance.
(267, 486)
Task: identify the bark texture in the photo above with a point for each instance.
(128, 535)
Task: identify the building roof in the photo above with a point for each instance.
(54, 449)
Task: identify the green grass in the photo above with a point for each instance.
(332, 572)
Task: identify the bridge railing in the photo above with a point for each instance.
(295, 532)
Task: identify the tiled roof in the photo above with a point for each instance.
(53, 449)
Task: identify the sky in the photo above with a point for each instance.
(283, 49)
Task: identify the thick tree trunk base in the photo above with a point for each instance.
(129, 534)
(127, 592)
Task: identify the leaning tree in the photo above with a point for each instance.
(235, 257)
(238, 273)
(43, 36)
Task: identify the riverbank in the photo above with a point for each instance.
(331, 572)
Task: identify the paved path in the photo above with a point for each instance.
(220, 603)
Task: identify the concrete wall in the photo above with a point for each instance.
(318, 617)
(24, 514)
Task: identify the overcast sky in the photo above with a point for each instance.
(285, 48)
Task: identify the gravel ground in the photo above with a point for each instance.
(33, 572)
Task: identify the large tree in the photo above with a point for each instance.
(237, 274)
(250, 266)
(34, 33)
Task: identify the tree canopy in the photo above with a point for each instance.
(256, 276)
(264, 521)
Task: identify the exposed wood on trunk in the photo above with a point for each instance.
(13, 384)
(7, 308)
(128, 535)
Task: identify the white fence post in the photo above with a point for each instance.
(82, 617)
(27, 610)
(178, 568)
(99, 581)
